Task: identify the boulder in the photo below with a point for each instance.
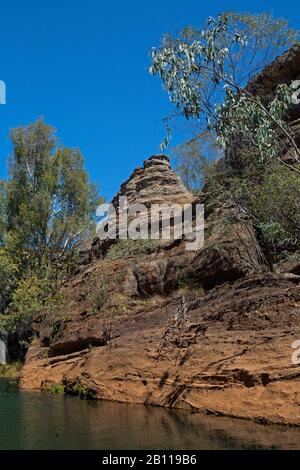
(289, 266)
(76, 335)
(230, 251)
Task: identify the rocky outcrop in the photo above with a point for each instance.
(210, 330)
(284, 69)
(154, 183)
(229, 354)
(207, 330)
(231, 250)
(164, 340)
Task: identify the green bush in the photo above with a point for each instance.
(10, 370)
(82, 392)
(98, 292)
(56, 389)
(8, 279)
(128, 248)
(275, 205)
(8, 323)
(270, 194)
(27, 298)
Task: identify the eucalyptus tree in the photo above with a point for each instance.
(50, 202)
(193, 159)
(206, 73)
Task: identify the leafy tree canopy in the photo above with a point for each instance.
(49, 199)
(47, 206)
(205, 73)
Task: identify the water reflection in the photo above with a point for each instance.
(44, 421)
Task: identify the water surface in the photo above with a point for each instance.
(41, 420)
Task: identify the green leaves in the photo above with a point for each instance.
(46, 207)
(9, 275)
(205, 73)
(246, 118)
(275, 203)
(50, 201)
(27, 298)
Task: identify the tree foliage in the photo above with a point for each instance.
(275, 204)
(46, 207)
(9, 275)
(268, 192)
(50, 201)
(193, 158)
(205, 73)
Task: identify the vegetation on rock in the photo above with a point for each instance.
(129, 247)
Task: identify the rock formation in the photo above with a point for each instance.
(210, 330)
(154, 183)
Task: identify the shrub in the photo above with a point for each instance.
(8, 279)
(10, 370)
(57, 389)
(98, 293)
(270, 194)
(27, 299)
(275, 205)
(129, 247)
(81, 391)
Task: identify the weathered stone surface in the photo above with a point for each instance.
(285, 69)
(230, 252)
(232, 358)
(163, 272)
(289, 266)
(77, 335)
(154, 183)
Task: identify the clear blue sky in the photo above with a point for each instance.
(82, 65)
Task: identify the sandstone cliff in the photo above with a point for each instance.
(209, 330)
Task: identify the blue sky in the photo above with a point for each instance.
(82, 65)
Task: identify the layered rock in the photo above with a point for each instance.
(231, 250)
(230, 354)
(283, 70)
(154, 183)
(160, 341)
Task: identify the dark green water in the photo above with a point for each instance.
(45, 421)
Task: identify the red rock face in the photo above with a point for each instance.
(155, 182)
(230, 355)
